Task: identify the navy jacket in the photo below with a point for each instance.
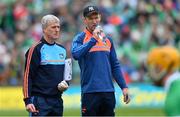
(44, 69)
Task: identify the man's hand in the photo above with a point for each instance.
(95, 34)
(126, 95)
(62, 86)
(98, 34)
(31, 108)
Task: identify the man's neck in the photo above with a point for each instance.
(89, 30)
(50, 41)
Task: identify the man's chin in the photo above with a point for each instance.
(55, 38)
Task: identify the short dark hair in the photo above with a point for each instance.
(90, 10)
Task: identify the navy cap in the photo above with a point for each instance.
(89, 10)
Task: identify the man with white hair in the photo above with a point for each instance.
(44, 68)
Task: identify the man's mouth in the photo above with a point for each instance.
(94, 26)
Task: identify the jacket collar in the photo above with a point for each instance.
(44, 41)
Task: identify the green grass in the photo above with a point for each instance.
(76, 112)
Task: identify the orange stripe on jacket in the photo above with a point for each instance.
(25, 82)
(99, 46)
(27, 71)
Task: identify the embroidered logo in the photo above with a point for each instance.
(61, 55)
(84, 110)
(91, 8)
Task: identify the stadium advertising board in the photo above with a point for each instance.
(142, 95)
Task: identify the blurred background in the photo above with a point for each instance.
(136, 26)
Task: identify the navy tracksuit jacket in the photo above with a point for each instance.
(44, 69)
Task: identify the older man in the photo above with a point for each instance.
(44, 69)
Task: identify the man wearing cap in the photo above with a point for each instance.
(98, 64)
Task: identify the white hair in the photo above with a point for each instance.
(48, 18)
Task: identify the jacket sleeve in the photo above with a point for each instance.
(79, 49)
(116, 68)
(31, 65)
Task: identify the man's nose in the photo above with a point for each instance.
(94, 21)
(57, 29)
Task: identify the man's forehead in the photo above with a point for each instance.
(93, 14)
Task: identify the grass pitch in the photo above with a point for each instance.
(76, 112)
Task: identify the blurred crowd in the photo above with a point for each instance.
(135, 25)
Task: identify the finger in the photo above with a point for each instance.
(64, 88)
(33, 109)
(28, 108)
(95, 33)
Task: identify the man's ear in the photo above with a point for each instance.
(43, 30)
(99, 15)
